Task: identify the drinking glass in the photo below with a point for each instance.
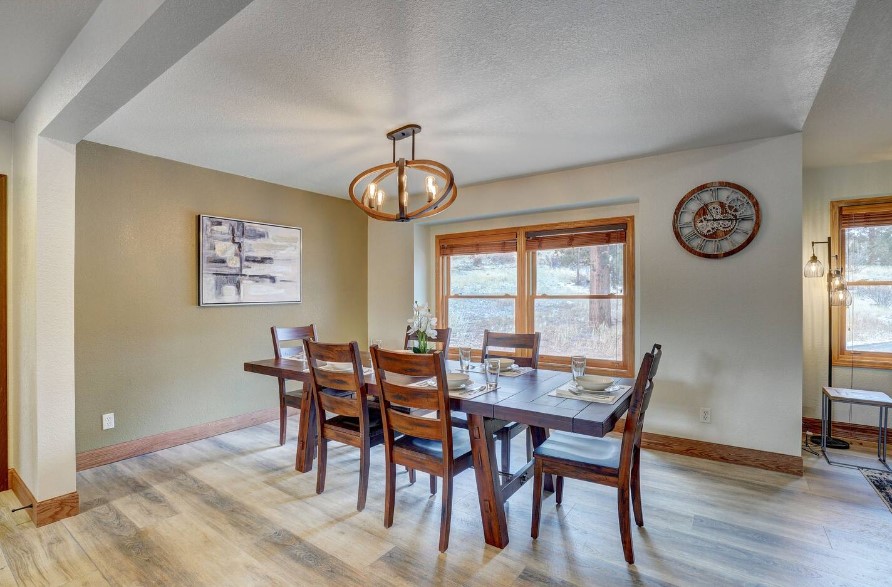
(464, 358)
(375, 341)
(491, 369)
(577, 366)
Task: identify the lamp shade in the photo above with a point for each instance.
(813, 268)
(841, 297)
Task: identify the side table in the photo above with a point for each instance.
(865, 398)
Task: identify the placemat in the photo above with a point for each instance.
(605, 397)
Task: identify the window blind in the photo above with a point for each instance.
(565, 238)
(865, 215)
(505, 242)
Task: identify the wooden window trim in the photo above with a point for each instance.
(526, 297)
(843, 357)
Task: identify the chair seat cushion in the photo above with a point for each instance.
(576, 448)
(459, 419)
(352, 422)
(461, 444)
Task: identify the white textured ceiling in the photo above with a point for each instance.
(851, 121)
(33, 36)
(301, 93)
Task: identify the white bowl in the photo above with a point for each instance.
(594, 382)
(505, 363)
(456, 380)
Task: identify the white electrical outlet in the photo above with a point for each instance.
(108, 421)
(706, 415)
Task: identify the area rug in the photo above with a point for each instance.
(882, 483)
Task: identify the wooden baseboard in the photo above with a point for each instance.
(140, 446)
(46, 511)
(735, 455)
(860, 434)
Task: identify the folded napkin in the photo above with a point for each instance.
(515, 371)
(609, 396)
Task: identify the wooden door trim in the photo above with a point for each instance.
(4, 375)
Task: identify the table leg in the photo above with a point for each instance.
(492, 508)
(539, 436)
(306, 434)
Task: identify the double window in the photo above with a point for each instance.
(863, 333)
(573, 282)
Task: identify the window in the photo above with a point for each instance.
(863, 333)
(572, 282)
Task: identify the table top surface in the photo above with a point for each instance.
(522, 399)
(858, 396)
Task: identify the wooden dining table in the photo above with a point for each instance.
(523, 399)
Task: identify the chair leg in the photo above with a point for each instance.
(322, 448)
(537, 498)
(504, 437)
(433, 484)
(446, 512)
(389, 493)
(363, 476)
(283, 419)
(559, 490)
(411, 475)
(625, 524)
(529, 444)
(636, 486)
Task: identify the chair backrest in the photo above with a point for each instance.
(352, 381)
(641, 395)
(511, 340)
(441, 342)
(287, 340)
(395, 373)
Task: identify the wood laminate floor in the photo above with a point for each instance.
(231, 510)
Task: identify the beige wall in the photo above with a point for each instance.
(731, 329)
(820, 187)
(144, 349)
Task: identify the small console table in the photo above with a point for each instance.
(865, 398)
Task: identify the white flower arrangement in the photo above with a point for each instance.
(424, 323)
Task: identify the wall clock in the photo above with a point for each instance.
(716, 219)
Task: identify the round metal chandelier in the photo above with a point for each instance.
(439, 185)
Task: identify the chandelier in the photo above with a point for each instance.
(367, 189)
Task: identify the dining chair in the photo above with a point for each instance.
(442, 340)
(343, 393)
(606, 461)
(287, 342)
(494, 344)
(428, 443)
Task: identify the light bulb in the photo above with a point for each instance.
(431, 186)
(841, 297)
(380, 197)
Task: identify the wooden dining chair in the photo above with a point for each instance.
(344, 394)
(428, 443)
(606, 461)
(287, 342)
(494, 344)
(441, 342)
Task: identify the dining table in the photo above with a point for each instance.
(523, 398)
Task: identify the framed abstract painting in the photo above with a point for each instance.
(244, 262)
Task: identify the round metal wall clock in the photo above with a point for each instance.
(716, 219)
